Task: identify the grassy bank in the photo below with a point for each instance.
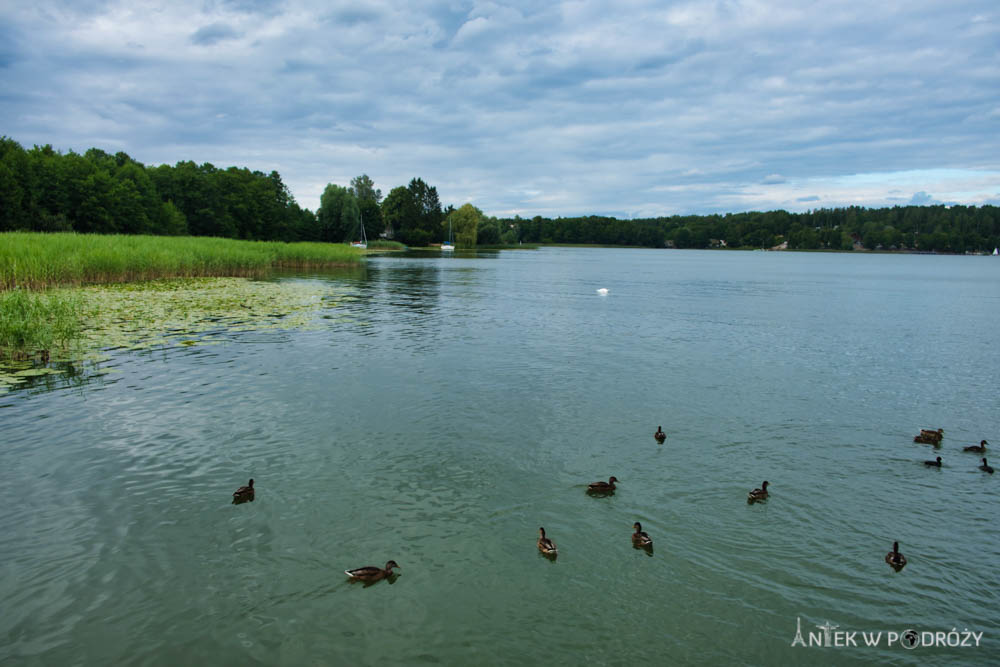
(382, 244)
(36, 260)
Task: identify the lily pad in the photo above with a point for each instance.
(36, 372)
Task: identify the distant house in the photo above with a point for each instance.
(781, 246)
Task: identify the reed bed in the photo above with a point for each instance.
(36, 322)
(37, 260)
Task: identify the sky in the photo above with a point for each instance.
(628, 108)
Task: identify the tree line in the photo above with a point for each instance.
(42, 189)
(923, 228)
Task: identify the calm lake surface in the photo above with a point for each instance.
(447, 407)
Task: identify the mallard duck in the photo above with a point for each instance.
(936, 463)
(894, 558)
(602, 487)
(639, 537)
(758, 494)
(986, 467)
(929, 437)
(371, 573)
(545, 545)
(243, 494)
(660, 435)
(980, 448)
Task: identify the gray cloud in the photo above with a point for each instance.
(552, 109)
(213, 34)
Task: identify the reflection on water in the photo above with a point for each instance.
(445, 407)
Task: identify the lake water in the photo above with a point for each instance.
(449, 406)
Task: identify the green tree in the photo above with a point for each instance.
(169, 221)
(11, 196)
(94, 213)
(427, 226)
(126, 208)
(369, 197)
(364, 189)
(399, 211)
(464, 225)
(338, 214)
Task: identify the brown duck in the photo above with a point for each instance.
(545, 545)
(602, 487)
(243, 494)
(371, 573)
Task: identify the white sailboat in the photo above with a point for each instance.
(450, 243)
(363, 243)
(995, 253)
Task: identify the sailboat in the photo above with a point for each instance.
(450, 243)
(995, 253)
(363, 243)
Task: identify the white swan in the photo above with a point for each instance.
(602, 291)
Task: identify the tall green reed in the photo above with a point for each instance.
(37, 260)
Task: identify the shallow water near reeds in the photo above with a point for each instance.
(446, 407)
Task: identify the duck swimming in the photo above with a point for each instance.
(602, 487)
(660, 435)
(986, 467)
(371, 573)
(243, 494)
(758, 494)
(639, 537)
(545, 545)
(936, 463)
(980, 448)
(894, 558)
(928, 437)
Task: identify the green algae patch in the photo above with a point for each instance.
(173, 313)
(184, 312)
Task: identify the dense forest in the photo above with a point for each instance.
(923, 228)
(42, 189)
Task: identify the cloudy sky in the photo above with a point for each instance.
(628, 108)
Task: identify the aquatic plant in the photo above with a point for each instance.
(34, 323)
(38, 260)
(82, 323)
(187, 311)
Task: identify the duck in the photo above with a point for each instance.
(936, 463)
(758, 494)
(371, 573)
(986, 467)
(929, 437)
(660, 435)
(244, 493)
(894, 558)
(981, 447)
(602, 487)
(545, 545)
(639, 537)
